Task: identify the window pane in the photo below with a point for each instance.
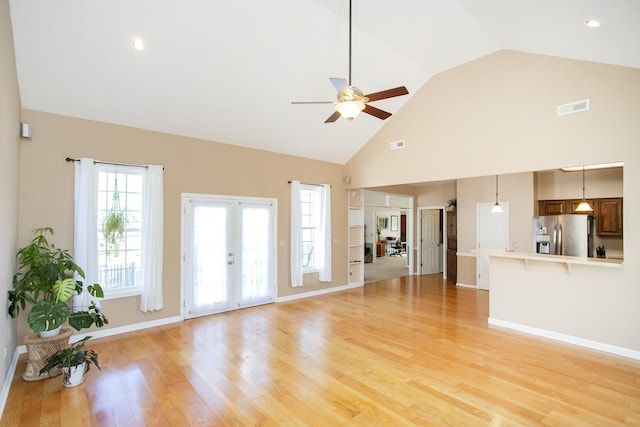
(310, 210)
(119, 209)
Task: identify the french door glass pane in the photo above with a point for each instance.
(209, 269)
(256, 252)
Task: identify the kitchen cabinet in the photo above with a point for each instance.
(552, 207)
(452, 246)
(561, 207)
(608, 213)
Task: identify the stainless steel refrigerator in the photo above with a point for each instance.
(570, 235)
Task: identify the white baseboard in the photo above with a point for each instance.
(582, 342)
(4, 394)
(464, 285)
(320, 292)
(116, 331)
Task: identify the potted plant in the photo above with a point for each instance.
(74, 360)
(116, 220)
(452, 204)
(45, 280)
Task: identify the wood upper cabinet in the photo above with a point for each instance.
(552, 207)
(562, 207)
(608, 213)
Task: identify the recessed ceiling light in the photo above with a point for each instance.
(138, 44)
(592, 23)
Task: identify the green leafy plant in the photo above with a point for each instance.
(116, 220)
(114, 226)
(74, 355)
(45, 281)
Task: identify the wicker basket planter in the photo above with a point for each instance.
(39, 349)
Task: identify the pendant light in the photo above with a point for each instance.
(497, 208)
(583, 206)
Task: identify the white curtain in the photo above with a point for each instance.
(324, 251)
(296, 236)
(152, 241)
(85, 238)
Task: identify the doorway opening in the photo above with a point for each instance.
(388, 235)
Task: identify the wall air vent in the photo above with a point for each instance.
(396, 145)
(572, 107)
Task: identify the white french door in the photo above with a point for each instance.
(229, 253)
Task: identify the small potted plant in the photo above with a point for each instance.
(75, 361)
(452, 204)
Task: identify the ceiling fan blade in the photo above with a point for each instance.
(389, 93)
(332, 118)
(312, 102)
(339, 84)
(376, 112)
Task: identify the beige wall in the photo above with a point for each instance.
(434, 194)
(600, 183)
(516, 189)
(9, 160)
(191, 166)
(496, 115)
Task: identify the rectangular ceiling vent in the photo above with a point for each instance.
(573, 107)
(396, 145)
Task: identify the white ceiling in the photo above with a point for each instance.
(227, 71)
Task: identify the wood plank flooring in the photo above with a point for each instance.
(400, 352)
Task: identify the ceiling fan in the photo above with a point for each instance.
(351, 100)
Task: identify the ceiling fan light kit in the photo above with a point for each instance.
(351, 100)
(349, 109)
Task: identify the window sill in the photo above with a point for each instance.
(121, 293)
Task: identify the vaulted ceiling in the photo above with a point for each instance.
(227, 71)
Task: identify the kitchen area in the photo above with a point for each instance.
(562, 283)
(586, 227)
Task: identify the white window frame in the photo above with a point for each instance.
(313, 213)
(136, 227)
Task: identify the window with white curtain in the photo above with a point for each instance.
(128, 262)
(120, 256)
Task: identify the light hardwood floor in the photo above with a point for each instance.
(408, 351)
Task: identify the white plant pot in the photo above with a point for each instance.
(74, 375)
(51, 333)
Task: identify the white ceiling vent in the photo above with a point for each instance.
(573, 107)
(396, 145)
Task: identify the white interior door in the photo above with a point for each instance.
(493, 233)
(229, 253)
(431, 249)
